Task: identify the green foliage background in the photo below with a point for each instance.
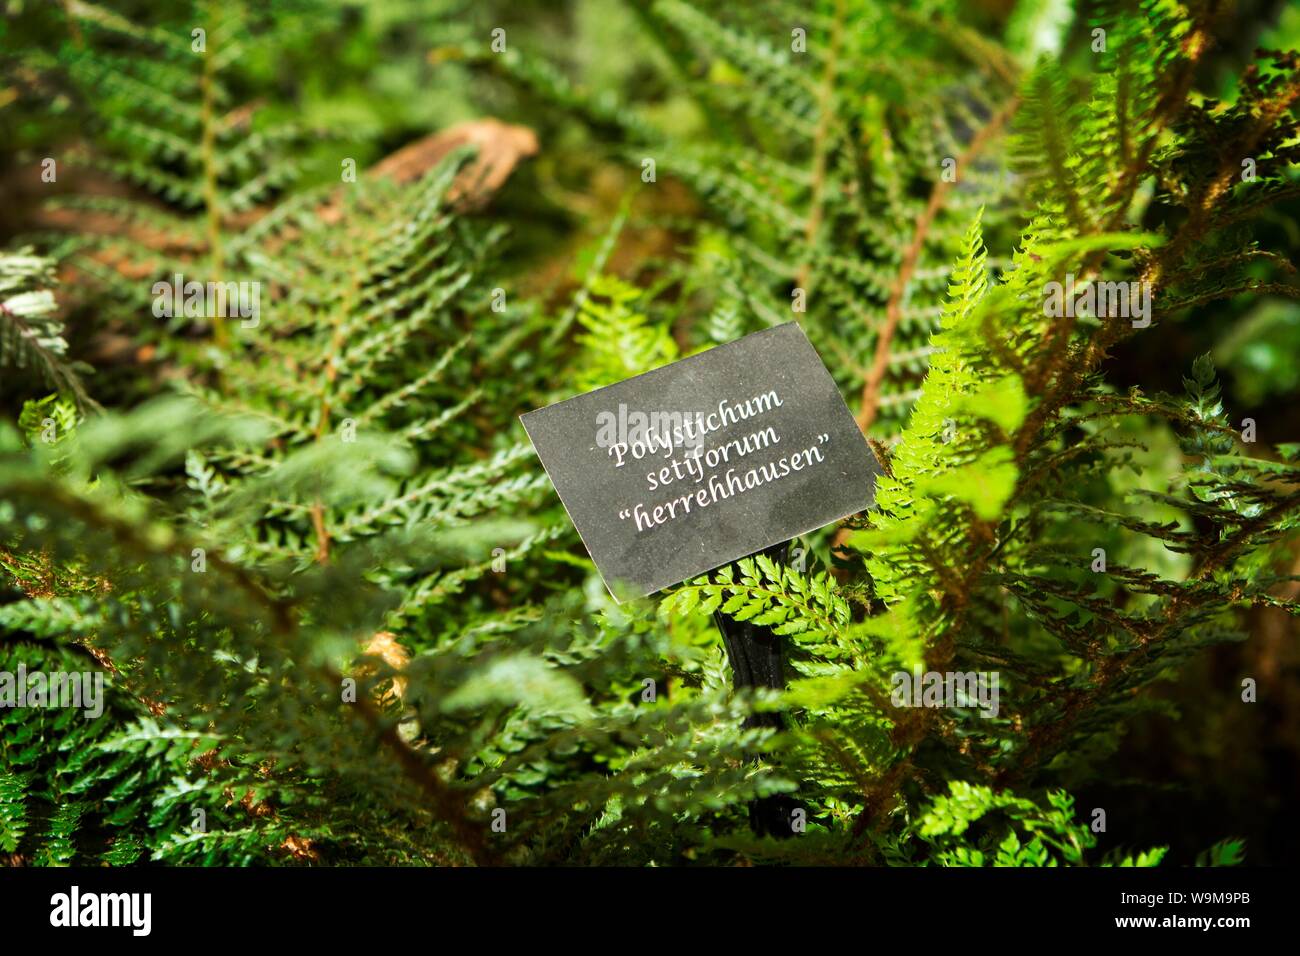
(237, 525)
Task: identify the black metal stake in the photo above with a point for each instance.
(757, 660)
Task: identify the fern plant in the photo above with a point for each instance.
(810, 217)
(340, 616)
(972, 561)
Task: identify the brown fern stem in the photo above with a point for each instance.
(211, 193)
(821, 146)
(911, 256)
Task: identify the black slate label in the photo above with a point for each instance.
(678, 471)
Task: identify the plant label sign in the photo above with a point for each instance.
(681, 470)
